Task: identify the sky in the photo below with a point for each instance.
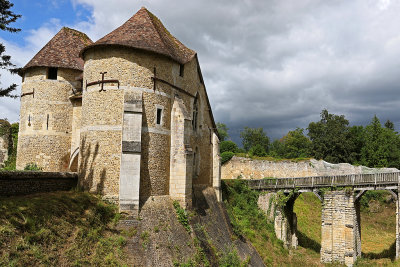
(273, 64)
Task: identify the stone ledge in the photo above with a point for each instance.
(25, 183)
(18, 175)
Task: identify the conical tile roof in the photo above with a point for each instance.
(145, 31)
(62, 51)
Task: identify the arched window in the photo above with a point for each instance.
(195, 112)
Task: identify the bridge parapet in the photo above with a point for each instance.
(358, 181)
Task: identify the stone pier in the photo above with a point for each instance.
(284, 219)
(341, 236)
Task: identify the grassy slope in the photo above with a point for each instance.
(377, 232)
(249, 221)
(64, 228)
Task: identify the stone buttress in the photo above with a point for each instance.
(341, 236)
(131, 152)
(180, 186)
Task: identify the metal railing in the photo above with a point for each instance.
(327, 181)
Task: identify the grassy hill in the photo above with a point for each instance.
(59, 229)
(78, 229)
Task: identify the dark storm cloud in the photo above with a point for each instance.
(277, 64)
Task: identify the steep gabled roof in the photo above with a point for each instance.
(62, 51)
(145, 31)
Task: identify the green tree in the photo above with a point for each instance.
(226, 156)
(257, 150)
(389, 125)
(10, 164)
(382, 146)
(7, 17)
(356, 143)
(228, 146)
(296, 144)
(276, 149)
(222, 131)
(254, 136)
(330, 138)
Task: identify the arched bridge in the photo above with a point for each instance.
(340, 194)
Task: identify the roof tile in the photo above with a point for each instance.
(145, 31)
(62, 51)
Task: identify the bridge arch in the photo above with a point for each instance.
(340, 219)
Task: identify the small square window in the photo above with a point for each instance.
(159, 116)
(52, 73)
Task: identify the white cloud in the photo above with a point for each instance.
(275, 64)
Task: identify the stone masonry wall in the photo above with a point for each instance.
(23, 183)
(284, 219)
(216, 167)
(257, 169)
(46, 119)
(180, 185)
(134, 69)
(340, 229)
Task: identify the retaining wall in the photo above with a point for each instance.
(247, 168)
(24, 183)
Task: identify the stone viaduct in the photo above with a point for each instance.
(340, 195)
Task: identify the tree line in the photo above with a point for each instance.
(331, 139)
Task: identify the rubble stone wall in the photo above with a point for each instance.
(247, 168)
(46, 119)
(103, 111)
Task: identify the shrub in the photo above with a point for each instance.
(32, 167)
(225, 146)
(257, 150)
(182, 216)
(226, 156)
(240, 150)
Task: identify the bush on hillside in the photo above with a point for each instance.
(226, 156)
(257, 150)
(225, 146)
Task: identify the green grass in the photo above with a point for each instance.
(248, 220)
(377, 228)
(308, 210)
(63, 228)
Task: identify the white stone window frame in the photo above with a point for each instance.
(157, 107)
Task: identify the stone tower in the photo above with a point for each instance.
(147, 128)
(130, 113)
(50, 103)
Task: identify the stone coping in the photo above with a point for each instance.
(18, 175)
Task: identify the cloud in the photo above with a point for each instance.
(20, 55)
(276, 64)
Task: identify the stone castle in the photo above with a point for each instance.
(129, 113)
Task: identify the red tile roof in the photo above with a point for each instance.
(62, 51)
(145, 31)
